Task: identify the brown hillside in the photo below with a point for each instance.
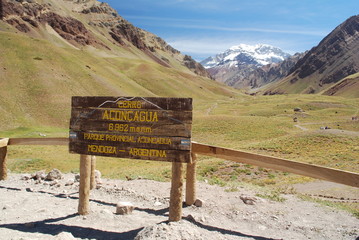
(336, 57)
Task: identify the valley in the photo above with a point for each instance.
(303, 107)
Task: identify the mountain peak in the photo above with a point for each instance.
(243, 54)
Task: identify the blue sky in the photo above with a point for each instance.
(202, 28)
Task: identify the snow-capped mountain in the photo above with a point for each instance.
(243, 54)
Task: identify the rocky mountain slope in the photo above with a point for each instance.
(31, 16)
(336, 57)
(243, 54)
(55, 49)
(245, 66)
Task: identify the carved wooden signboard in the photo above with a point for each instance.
(132, 127)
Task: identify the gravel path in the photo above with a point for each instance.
(37, 210)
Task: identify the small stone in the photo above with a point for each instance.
(70, 182)
(157, 204)
(123, 208)
(25, 177)
(64, 236)
(29, 190)
(54, 174)
(53, 183)
(5, 207)
(97, 174)
(77, 178)
(198, 203)
(40, 175)
(248, 200)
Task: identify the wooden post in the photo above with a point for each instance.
(3, 158)
(175, 212)
(93, 168)
(84, 191)
(191, 181)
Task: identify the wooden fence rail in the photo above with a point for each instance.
(309, 170)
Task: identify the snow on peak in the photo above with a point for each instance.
(259, 55)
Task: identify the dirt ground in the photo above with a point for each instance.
(48, 210)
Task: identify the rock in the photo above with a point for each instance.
(248, 200)
(123, 208)
(297, 109)
(98, 179)
(29, 190)
(64, 236)
(40, 175)
(53, 175)
(38, 181)
(97, 174)
(198, 203)
(157, 204)
(77, 177)
(5, 207)
(53, 183)
(70, 182)
(25, 177)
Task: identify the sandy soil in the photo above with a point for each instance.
(30, 210)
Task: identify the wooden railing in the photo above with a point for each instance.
(304, 169)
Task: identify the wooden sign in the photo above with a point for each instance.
(132, 127)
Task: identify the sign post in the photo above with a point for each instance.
(191, 181)
(149, 128)
(84, 191)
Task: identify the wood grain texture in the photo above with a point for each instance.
(176, 104)
(3, 161)
(191, 190)
(175, 211)
(132, 140)
(108, 150)
(4, 142)
(147, 129)
(309, 170)
(84, 189)
(318, 172)
(38, 141)
(122, 126)
(93, 177)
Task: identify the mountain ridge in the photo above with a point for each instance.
(333, 59)
(55, 49)
(250, 66)
(259, 55)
